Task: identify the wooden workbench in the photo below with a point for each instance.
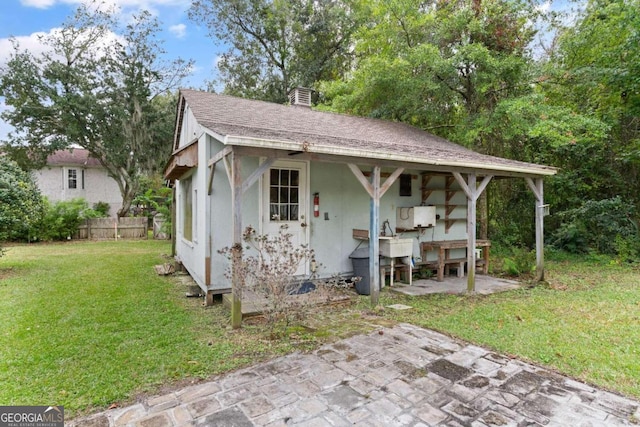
(444, 247)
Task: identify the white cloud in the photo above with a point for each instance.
(544, 7)
(123, 4)
(40, 4)
(5, 127)
(31, 43)
(179, 30)
(34, 45)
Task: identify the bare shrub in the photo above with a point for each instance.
(268, 268)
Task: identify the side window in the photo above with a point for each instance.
(72, 175)
(187, 209)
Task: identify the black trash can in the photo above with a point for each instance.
(360, 261)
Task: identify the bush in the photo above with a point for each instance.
(517, 261)
(102, 208)
(268, 269)
(21, 205)
(606, 226)
(63, 219)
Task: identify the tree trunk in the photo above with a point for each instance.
(483, 216)
(127, 199)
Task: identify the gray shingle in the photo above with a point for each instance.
(374, 138)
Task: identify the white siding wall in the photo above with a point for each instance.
(192, 253)
(222, 215)
(98, 186)
(347, 205)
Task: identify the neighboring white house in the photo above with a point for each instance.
(238, 162)
(73, 173)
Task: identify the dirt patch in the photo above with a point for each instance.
(5, 273)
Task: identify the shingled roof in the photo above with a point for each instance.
(263, 124)
(72, 157)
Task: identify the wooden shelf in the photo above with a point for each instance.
(449, 192)
(450, 221)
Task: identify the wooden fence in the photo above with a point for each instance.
(112, 228)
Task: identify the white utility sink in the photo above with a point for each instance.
(393, 247)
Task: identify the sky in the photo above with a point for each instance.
(25, 19)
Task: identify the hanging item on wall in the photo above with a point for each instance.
(316, 204)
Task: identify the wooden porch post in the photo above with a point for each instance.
(376, 191)
(374, 241)
(473, 192)
(236, 255)
(538, 190)
(471, 235)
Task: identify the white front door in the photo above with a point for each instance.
(285, 201)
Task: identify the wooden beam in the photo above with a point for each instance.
(538, 190)
(383, 163)
(533, 188)
(483, 185)
(463, 184)
(236, 255)
(210, 184)
(390, 180)
(361, 178)
(374, 241)
(219, 156)
(228, 168)
(385, 175)
(256, 174)
(471, 233)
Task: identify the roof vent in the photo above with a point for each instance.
(300, 96)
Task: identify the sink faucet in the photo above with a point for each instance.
(386, 225)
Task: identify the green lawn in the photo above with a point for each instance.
(90, 324)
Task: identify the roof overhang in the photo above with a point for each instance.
(526, 169)
(182, 161)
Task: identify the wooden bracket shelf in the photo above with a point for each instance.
(449, 192)
(450, 221)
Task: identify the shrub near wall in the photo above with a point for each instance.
(63, 218)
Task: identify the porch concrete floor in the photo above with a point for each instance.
(456, 285)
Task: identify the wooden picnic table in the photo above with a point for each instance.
(444, 260)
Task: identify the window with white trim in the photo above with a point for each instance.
(284, 194)
(72, 178)
(187, 209)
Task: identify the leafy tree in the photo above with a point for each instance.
(277, 45)
(21, 205)
(434, 64)
(595, 72)
(100, 86)
(442, 66)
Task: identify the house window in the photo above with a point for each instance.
(284, 194)
(195, 215)
(72, 175)
(187, 209)
(405, 185)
